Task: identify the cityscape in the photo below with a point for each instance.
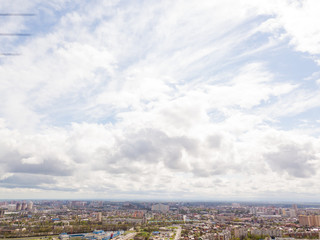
(83, 219)
(160, 119)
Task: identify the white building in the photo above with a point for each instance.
(30, 206)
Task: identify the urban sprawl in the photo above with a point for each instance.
(48, 219)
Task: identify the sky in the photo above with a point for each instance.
(169, 100)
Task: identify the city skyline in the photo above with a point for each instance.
(160, 100)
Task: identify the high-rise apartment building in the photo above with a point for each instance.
(18, 207)
(295, 207)
(2, 211)
(304, 220)
(11, 207)
(315, 220)
(99, 216)
(30, 206)
(310, 220)
(24, 206)
(292, 212)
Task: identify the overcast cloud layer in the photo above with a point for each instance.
(161, 100)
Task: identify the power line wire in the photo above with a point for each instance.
(9, 54)
(15, 34)
(17, 14)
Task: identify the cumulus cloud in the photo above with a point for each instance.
(25, 181)
(295, 160)
(150, 145)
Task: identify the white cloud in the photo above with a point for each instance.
(131, 99)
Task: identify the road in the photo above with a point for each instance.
(178, 233)
(128, 236)
(35, 238)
